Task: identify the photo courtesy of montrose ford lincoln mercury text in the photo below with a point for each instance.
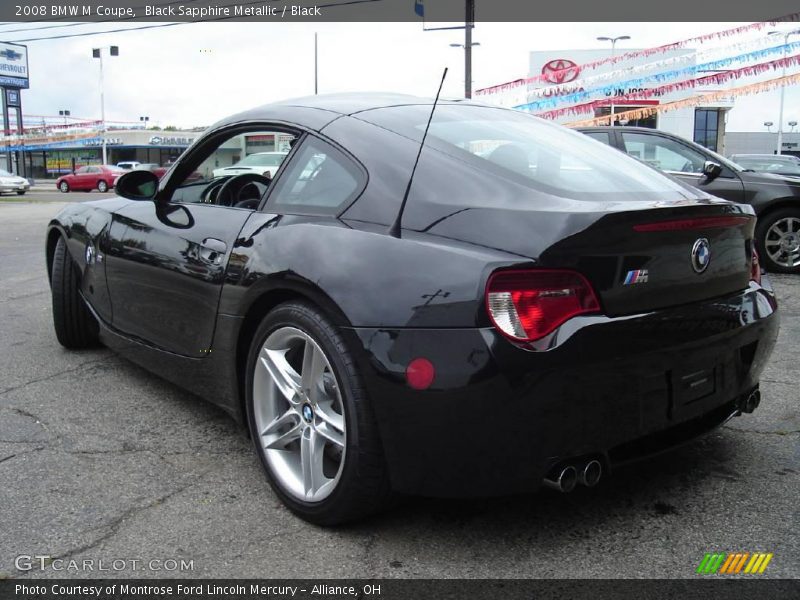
(543, 309)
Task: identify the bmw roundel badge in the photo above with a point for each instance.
(701, 255)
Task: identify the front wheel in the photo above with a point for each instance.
(102, 187)
(778, 238)
(20, 192)
(310, 418)
(63, 187)
(75, 326)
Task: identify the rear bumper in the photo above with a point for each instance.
(498, 418)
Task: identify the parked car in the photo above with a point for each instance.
(95, 177)
(261, 163)
(769, 163)
(532, 316)
(153, 168)
(13, 183)
(775, 198)
(127, 165)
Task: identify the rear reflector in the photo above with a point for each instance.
(527, 305)
(697, 223)
(420, 373)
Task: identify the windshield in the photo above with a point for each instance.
(767, 165)
(542, 155)
(261, 160)
(4, 173)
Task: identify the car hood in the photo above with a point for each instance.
(14, 180)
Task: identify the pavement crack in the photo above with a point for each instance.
(115, 524)
(52, 376)
(23, 296)
(18, 454)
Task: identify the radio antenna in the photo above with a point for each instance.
(394, 230)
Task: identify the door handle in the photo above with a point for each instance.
(212, 250)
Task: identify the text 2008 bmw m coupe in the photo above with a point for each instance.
(539, 309)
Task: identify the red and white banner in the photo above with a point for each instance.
(552, 74)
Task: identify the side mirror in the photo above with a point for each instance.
(137, 185)
(712, 170)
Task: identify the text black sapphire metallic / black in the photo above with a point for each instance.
(487, 339)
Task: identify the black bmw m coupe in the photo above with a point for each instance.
(530, 308)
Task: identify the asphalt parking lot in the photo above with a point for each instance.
(100, 460)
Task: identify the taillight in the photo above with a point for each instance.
(527, 305)
(755, 267)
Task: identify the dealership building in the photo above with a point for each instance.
(48, 160)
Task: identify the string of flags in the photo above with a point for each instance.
(626, 56)
(698, 100)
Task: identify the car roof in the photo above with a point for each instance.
(315, 112)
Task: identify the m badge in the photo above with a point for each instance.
(636, 276)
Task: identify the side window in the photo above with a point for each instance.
(82, 171)
(255, 154)
(663, 153)
(318, 179)
(600, 136)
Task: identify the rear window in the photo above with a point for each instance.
(540, 154)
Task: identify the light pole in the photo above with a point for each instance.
(98, 53)
(783, 87)
(768, 124)
(613, 41)
(467, 63)
(144, 120)
(64, 113)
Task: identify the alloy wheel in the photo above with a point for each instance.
(299, 414)
(782, 242)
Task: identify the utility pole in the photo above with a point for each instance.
(469, 22)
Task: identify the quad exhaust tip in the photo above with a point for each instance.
(563, 480)
(752, 402)
(566, 478)
(591, 473)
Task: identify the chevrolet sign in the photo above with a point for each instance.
(13, 65)
(158, 140)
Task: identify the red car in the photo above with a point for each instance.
(95, 177)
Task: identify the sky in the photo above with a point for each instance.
(194, 74)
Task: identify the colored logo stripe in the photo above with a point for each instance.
(733, 563)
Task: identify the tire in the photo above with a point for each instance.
(102, 186)
(778, 240)
(75, 326)
(357, 483)
(21, 193)
(63, 187)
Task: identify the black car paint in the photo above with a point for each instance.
(607, 381)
